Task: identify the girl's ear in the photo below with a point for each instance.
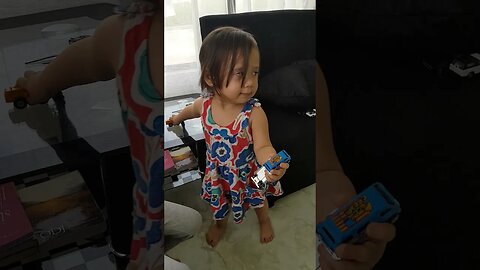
(208, 80)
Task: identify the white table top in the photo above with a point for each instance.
(91, 111)
(192, 126)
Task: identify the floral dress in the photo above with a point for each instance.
(143, 113)
(230, 164)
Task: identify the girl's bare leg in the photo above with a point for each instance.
(266, 229)
(215, 232)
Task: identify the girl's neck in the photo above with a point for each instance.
(225, 104)
(224, 112)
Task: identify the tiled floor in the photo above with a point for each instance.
(183, 178)
(293, 248)
(90, 258)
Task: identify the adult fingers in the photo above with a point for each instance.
(324, 258)
(326, 262)
(366, 252)
(381, 232)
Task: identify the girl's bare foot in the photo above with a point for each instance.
(266, 230)
(215, 232)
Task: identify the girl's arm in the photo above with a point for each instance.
(261, 140)
(191, 111)
(261, 143)
(91, 59)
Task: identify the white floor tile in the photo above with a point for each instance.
(68, 261)
(102, 263)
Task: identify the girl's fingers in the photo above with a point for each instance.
(281, 170)
(275, 175)
(271, 177)
(284, 165)
(21, 82)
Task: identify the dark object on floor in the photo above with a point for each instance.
(121, 262)
(118, 179)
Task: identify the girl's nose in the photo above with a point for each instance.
(249, 80)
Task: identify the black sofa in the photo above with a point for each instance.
(400, 117)
(286, 40)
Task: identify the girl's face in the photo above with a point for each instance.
(235, 92)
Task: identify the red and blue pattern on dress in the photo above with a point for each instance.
(143, 113)
(230, 163)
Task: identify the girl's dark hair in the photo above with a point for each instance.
(219, 53)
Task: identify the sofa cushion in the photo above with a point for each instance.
(290, 87)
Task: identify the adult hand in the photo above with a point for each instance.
(359, 257)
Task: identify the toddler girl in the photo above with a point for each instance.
(235, 129)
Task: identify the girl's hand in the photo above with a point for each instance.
(30, 82)
(276, 174)
(172, 121)
(359, 257)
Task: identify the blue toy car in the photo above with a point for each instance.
(347, 224)
(259, 178)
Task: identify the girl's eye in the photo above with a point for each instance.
(239, 73)
(255, 73)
